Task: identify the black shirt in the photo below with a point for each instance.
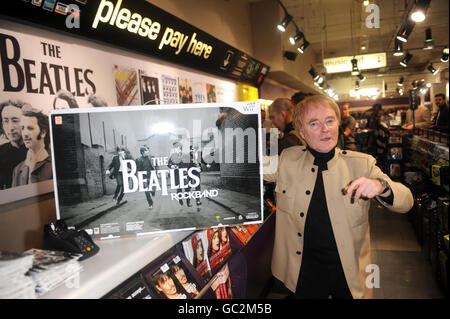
(10, 157)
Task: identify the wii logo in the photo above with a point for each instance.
(73, 18)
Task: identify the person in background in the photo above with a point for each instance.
(280, 113)
(322, 236)
(347, 128)
(37, 165)
(14, 151)
(265, 123)
(440, 121)
(299, 96)
(422, 118)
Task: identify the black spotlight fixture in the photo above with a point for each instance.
(404, 62)
(400, 82)
(432, 69)
(419, 11)
(314, 74)
(355, 70)
(291, 56)
(444, 57)
(284, 23)
(398, 49)
(297, 37)
(429, 43)
(361, 77)
(405, 31)
(303, 47)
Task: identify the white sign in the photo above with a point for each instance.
(365, 62)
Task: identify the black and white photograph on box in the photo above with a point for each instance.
(123, 171)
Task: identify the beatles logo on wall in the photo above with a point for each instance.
(140, 26)
(159, 168)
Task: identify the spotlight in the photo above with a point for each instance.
(303, 47)
(405, 31)
(428, 85)
(444, 57)
(298, 36)
(404, 62)
(291, 56)
(361, 77)
(314, 74)
(282, 26)
(432, 69)
(398, 50)
(418, 14)
(400, 91)
(400, 82)
(355, 70)
(366, 3)
(429, 43)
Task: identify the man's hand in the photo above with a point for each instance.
(365, 188)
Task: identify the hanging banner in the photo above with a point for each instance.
(46, 74)
(142, 27)
(135, 170)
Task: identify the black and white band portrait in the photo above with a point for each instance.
(159, 168)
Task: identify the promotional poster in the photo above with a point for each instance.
(136, 170)
(45, 70)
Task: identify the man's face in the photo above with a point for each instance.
(277, 118)
(181, 276)
(11, 121)
(438, 100)
(320, 128)
(345, 110)
(146, 153)
(32, 136)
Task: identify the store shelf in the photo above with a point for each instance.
(117, 260)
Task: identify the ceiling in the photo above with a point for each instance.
(337, 28)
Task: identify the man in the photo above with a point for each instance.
(115, 171)
(280, 113)
(176, 161)
(422, 118)
(440, 121)
(13, 152)
(37, 165)
(347, 128)
(265, 123)
(144, 163)
(322, 236)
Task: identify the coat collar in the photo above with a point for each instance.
(338, 153)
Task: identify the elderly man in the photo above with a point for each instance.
(322, 238)
(37, 165)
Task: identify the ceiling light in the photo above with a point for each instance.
(429, 43)
(314, 74)
(432, 69)
(404, 62)
(361, 77)
(400, 82)
(400, 91)
(363, 47)
(283, 25)
(428, 85)
(299, 35)
(444, 57)
(405, 31)
(418, 14)
(355, 70)
(366, 3)
(398, 49)
(303, 47)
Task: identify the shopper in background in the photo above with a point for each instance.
(265, 123)
(280, 113)
(37, 166)
(299, 96)
(422, 118)
(14, 151)
(373, 117)
(347, 128)
(322, 237)
(440, 121)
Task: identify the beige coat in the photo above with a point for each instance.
(295, 178)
